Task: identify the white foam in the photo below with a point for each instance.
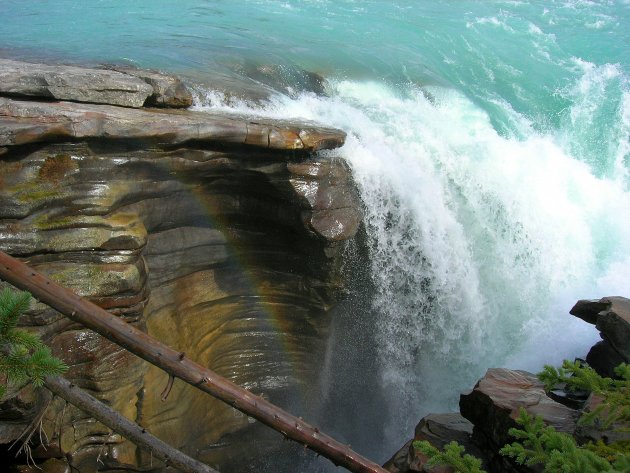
(480, 243)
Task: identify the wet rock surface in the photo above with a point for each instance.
(123, 87)
(491, 408)
(611, 316)
(494, 404)
(197, 228)
(26, 122)
(439, 430)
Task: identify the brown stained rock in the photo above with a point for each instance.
(210, 315)
(286, 138)
(97, 364)
(319, 138)
(611, 316)
(203, 245)
(19, 406)
(334, 225)
(168, 91)
(494, 404)
(53, 465)
(108, 372)
(587, 310)
(614, 325)
(257, 135)
(321, 195)
(329, 197)
(31, 122)
(72, 233)
(335, 171)
(24, 122)
(72, 83)
(177, 252)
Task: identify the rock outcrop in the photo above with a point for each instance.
(26, 122)
(123, 87)
(491, 408)
(439, 430)
(487, 412)
(220, 235)
(611, 316)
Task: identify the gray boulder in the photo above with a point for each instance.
(124, 87)
(72, 83)
(611, 316)
(168, 91)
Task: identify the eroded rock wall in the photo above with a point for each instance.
(226, 250)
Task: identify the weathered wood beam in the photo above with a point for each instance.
(177, 364)
(119, 423)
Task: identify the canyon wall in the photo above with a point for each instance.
(221, 235)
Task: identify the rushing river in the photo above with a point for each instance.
(490, 144)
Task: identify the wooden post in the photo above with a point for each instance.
(178, 365)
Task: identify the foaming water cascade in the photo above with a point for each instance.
(478, 243)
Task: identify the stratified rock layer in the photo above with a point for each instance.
(26, 122)
(221, 236)
(123, 87)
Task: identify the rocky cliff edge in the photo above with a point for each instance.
(221, 235)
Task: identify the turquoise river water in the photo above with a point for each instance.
(489, 141)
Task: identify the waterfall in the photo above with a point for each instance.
(479, 241)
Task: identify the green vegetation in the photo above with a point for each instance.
(33, 192)
(538, 444)
(615, 393)
(22, 355)
(453, 455)
(557, 452)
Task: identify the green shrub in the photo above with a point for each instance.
(538, 444)
(615, 406)
(22, 355)
(557, 452)
(453, 455)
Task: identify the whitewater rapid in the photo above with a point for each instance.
(479, 242)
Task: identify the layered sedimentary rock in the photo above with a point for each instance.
(220, 235)
(125, 87)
